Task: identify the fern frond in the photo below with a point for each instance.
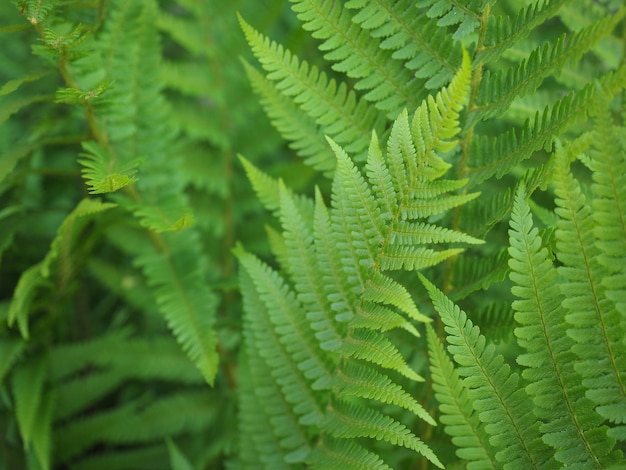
(293, 354)
(504, 31)
(460, 421)
(452, 13)
(302, 132)
(258, 439)
(358, 380)
(347, 421)
(572, 428)
(181, 293)
(280, 403)
(358, 55)
(10, 352)
(336, 109)
(498, 90)
(595, 324)
(37, 11)
(495, 391)
(104, 173)
(425, 48)
(68, 232)
(25, 290)
(609, 201)
(346, 454)
(37, 276)
(302, 265)
(497, 156)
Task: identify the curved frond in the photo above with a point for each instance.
(337, 110)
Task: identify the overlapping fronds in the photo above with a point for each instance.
(568, 326)
(172, 263)
(498, 90)
(498, 156)
(339, 112)
(569, 425)
(354, 52)
(595, 323)
(414, 38)
(504, 31)
(608, 164)
(321, 327)
(457, 415)
(494, 390)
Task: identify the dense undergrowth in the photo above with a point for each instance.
(312, 234)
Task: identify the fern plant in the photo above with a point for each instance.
(127, 339)
(103, 246)
(523, 93)
(566, 406)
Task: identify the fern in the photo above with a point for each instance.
(592, 317)
(549, 358)
(565, 325)
(421, 126)
(494, 390)
(329, 322)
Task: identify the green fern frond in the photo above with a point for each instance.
(179, 285)
(466, 14)
(103, 172)
(504, 31)
(28, 384)
(417, 40)
(37, 11)
(283, 406)
(609, 201)
(498, 90)
(288, 343)
(10, 353)
(335, 108)
(302, 132)
(572, 428)
(497, 156)
(302, 266)
(68, 232)
(346, 421)
(494, 390)
(358, 380)
(12, 85)
(359, 56)
(595, 324)
(346, 454)
(459, 419)
(334, 305)
(25, 290)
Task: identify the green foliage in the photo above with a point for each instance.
(157, 310)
